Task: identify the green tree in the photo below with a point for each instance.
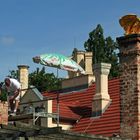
(40, 79)
(103, 49)
(3, 94)
(13, 74)
(44, 81)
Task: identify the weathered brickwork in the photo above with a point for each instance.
(130, 85)
(3, 113)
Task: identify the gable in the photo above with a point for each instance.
(31, 95)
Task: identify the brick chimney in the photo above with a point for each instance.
(130, 85)
(101, 99)
(23, 78)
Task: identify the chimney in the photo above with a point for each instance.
(88, 63)
(78, 57)
(23, 78)
(101, 99)
(130, 85)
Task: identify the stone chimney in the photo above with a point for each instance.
(23, 78)
(130, 85)
(88, 63)
(101, 99)
(78, 57)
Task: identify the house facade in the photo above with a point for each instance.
(108, 108)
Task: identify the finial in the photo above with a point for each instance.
(130, 23)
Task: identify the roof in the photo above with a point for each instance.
(78, 105)
(37, 92)
(31, 95)
(66, 110)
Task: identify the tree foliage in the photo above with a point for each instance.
(40, 79)
(103, 49)
(44, 81)
(13, 74)
(3, 94)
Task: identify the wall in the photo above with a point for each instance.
(77, 83)
(130, 85)
(3, 113)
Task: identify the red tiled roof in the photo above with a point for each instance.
(65, 110)
(78, 105)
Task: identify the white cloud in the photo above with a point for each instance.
(7, 40)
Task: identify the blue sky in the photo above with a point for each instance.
(33, 27)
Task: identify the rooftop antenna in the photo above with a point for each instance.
(74, 42)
